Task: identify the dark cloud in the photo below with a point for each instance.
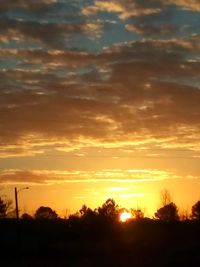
(31, 4)
(50, 34)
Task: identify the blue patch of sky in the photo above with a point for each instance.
(13, 64)
(117, 34)
(59, 14)
(21, 45)
(7, 64)
(183, 18)
(82, 42)
(114, 32)
(65, 13)
(63, 72)
(185, 22)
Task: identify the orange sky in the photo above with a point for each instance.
(100, 99)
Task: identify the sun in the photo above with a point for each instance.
(124, 216)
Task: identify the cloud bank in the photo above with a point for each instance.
(140, 91)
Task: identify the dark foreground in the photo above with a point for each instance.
(78, 244)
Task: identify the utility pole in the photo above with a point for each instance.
(16, 204)
(16, 200)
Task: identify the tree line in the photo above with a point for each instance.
(168, 212)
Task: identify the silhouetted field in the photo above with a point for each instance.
(103, 243)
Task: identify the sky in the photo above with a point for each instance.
(100, 99)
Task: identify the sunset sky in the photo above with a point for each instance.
(100, 99)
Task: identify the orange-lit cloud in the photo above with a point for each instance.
(191, 5)
(150, 30)
(106, 176)
(127, 9)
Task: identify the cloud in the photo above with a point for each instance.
(31, 4)
(129, 94)
(190, 5)
(125, 9)
(40, 177)
(149, 30)
(50, 34)
(152, 19)
(54, 96)
(129, 9)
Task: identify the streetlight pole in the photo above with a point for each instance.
(16, 200)
(16, 204)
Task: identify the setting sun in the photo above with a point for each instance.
(124, 216)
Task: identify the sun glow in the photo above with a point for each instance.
(124, 216)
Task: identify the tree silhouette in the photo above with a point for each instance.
(165, 197)
(109, 209)
(45, 213)
(86, 212)
(5, 207)
(167, 213)
(196, 211)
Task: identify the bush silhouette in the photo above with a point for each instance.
(26, 216)
(45, 213)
